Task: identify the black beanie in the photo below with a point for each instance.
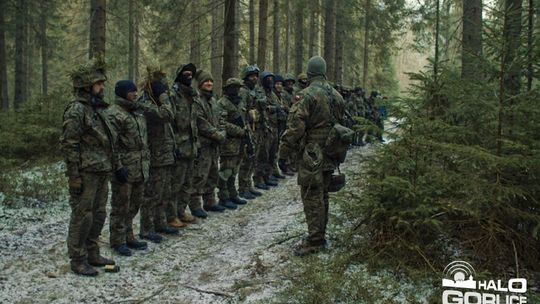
(123, 87)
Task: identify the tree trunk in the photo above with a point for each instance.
(367, 24)
(313, 28)
(340, 36)
(471, 50)
(437, 33)
(136, 44)
(98, 20)
(216, 59)
(44, 48)
(229, 48)
(21, 77)
(4, 101)
(263, 21)
(131, 40)
(251, 32)
(329, 37)
(195, 47)
(287, 34)
(275, 36)
(299, 38)
(530, 45)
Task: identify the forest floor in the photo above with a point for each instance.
(235, 256)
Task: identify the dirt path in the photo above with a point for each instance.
(236, 256)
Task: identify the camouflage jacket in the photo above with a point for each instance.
(160, 134)
(185, 120)
(273, 108)
(206, 111)
(311, 119)
(131, 143)
(233, 115)
(254, 102)
(87, 137)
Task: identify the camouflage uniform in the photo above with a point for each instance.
(299, 86)
(158, 113)
(309, 124)
(87, 146)
(186, 135)
(205, 171)
(233, 113)
(133, 154)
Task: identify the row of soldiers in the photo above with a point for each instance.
(163, 150)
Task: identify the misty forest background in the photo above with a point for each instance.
(460, 178)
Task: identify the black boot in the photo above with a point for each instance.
(238, 200)
(262, 186)
(152, 237)
(122, 249)
(270, 183)
(228, 204)
(137, 245)
(168, 230)
(247, 195)
(278, 176)
(255, 192)
(199, 213)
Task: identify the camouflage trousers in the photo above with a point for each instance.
(260, 170)
(228, 170)
(273, 148)
(88, 213)
(315, 201)
(205, 177)
(182, 179)
(157, 190)
(247, 167)
(126, 200)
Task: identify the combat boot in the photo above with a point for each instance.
(228, 204)
(247, 195)
(306, 248)
(238, 200)
(199, 213)
(278, 176)
(176, 223)
(187, 218)
(271, 178)
(215, 208)
(255, 192)
(95, 259)
(136, 244)
(262, 185)
(152, 237)
(270, 182)
(167, 230)
(82, 268)
(121, 249)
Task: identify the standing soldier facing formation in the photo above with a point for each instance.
(87, 146)
(134, 159)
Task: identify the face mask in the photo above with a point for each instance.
(232, 91)
(268, 83)
(185, 80)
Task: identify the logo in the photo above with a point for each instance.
(460, 287)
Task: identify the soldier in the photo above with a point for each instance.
(308, 127)
(211, 135)
(288, 88)
(133, 154)
(285, 104)
(253, 100)
(87, 146)
(230, 153)
(270, 173)
(301, 83)
(159, 114)
(187, 145)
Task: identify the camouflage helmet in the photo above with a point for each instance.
(232, 81)
(89, 73)
(316, 66)
(250, 70)
(289, 77)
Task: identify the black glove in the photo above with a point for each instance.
(122, 175)
(177, 154)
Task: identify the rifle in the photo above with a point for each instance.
(247, 141)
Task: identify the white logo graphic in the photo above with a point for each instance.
(460, 287)
(461, 275)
